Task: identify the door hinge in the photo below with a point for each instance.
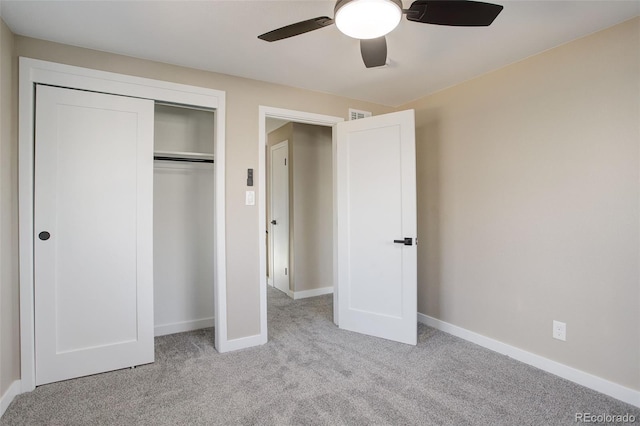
(285, 161)
(285, 271)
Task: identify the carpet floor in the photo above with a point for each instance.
(311, 373)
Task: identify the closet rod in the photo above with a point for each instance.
(169, 104)
(183, 159)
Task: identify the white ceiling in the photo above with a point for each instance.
(221, 36)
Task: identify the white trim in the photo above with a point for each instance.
(336, 291)
(181, 327)
(280, 144)
(298, 117)
(245, 342)
(630, 396)
(34, 71)
(6, 400)
(220, 228)
(312, 293)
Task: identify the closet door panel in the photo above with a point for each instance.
(93, 196)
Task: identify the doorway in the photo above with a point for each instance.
(283, 117)
(356, 174)
(299, 208)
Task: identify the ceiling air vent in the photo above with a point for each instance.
(355, 114)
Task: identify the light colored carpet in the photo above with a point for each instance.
(311, 373)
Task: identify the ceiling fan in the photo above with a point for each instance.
(371, 20)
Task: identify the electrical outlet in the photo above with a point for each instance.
(559, 330)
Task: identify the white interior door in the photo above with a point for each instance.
(93, 233)
(376, 212)
(280, 215)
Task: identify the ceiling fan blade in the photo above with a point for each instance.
(374, 52)
(297, 29)
(456, 13)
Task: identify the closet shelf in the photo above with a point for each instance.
(194, 157)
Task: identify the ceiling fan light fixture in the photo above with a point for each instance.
(367, 19)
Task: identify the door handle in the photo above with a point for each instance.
(407, 241)
(273, 222)
(44, 235)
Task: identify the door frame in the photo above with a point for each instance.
(296, 117)
(271, 239)
(32, 72)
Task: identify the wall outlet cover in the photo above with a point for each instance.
(559, 330)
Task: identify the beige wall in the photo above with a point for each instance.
(528, 203)
(312, 200)
(9, 304)
(243, 98)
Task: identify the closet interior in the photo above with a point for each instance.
(183, 218)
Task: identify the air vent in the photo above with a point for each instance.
(355, 114)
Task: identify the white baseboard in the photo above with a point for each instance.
(179, 327)
(7, 398)
(243, 343)
(630, 396)
(311, 293)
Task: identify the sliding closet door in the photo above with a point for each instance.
(93, 233)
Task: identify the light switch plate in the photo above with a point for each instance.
(250, 198)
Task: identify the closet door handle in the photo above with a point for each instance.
(273, 222)
(44, 235)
